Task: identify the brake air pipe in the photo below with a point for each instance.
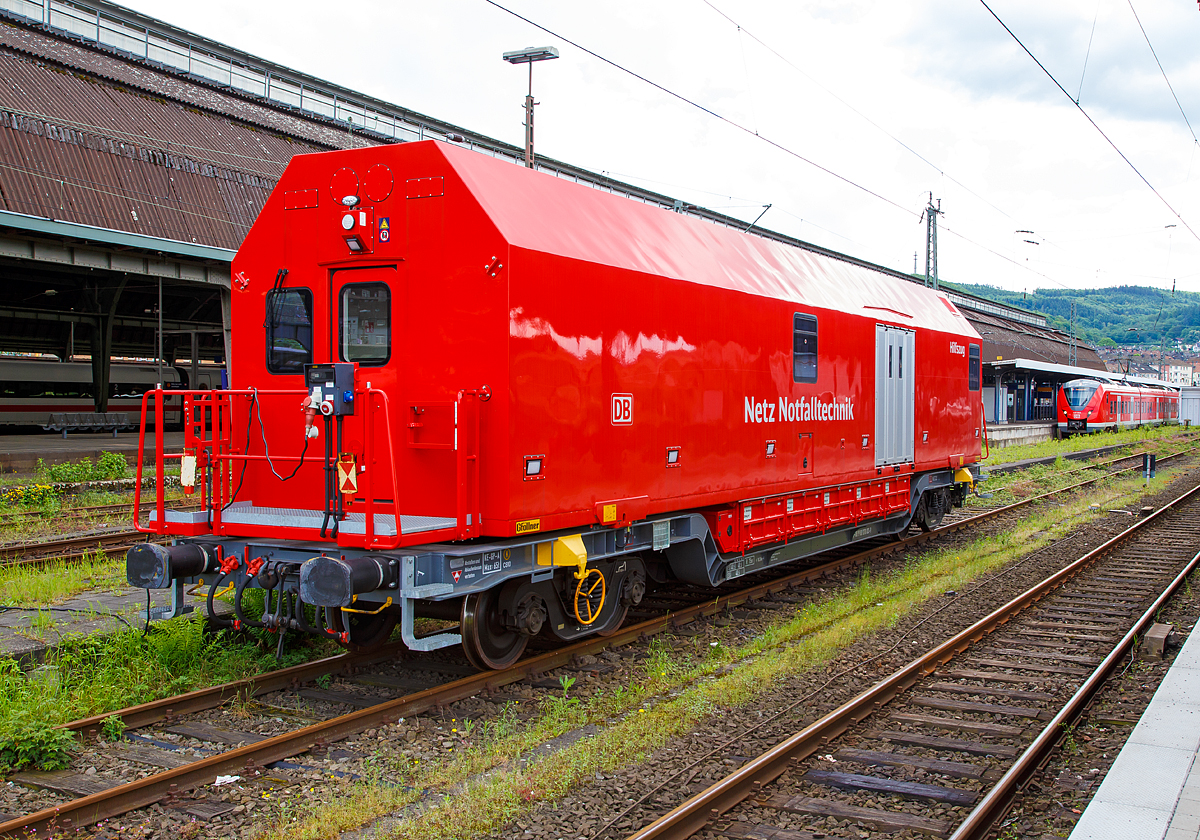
(218, 620)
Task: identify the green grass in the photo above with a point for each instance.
(1075, 443)
(108, 466)
(480, 788)
(50, 509)
(91, 675)
(1040, 478)
(30, 586)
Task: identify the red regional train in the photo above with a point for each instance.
(463, 389)
(1092, 405)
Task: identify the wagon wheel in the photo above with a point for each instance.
(614, 623)
(488, 644)
(930, 510)
(367, 632)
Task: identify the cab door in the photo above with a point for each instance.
(361, 315)
(362, 328)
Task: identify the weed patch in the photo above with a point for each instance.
(482, 788)
(91, 675)
(108, 466)
(1075, 443)
(52, 583)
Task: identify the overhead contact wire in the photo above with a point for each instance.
(767, 140)
(1161, 70)
(1088, 117)
(773, 143)
(864, 117)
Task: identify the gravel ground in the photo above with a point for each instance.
(615, 804)
(1053, 800)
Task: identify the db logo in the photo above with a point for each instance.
(622, 409)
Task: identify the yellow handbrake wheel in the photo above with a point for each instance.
(589, 596)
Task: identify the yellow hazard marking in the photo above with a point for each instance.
(529, 526)
(610, 513)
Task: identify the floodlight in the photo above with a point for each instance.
(530, 54)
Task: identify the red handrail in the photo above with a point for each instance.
(217, 460)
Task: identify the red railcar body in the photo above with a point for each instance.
(1090, 405)
(547, 375)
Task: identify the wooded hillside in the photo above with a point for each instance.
(1113, 315)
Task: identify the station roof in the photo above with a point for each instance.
(1006, 339)
(1065, 372)
(113, 120)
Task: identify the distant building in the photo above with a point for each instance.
(1177, 372)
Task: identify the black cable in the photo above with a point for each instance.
(706, 110)
(249, 422)
(867, 119)
(1161, 70)
(777, 145)
(267, 450)
(254, 409)
(1087, 116)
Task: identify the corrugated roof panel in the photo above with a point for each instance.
(20, 176)
(87, 151)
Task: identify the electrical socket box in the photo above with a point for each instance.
(332, 383)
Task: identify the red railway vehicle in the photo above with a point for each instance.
(524, 398)
(1100, 404)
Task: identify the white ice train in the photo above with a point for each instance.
(32, 389)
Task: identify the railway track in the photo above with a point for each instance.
(426, 683)
(67, 548)
(941, 746)
(38, 552)
(77, 512)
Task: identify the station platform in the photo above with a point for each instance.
(1021, 433)
(29, 635)
(20, 453)
(1152, 790)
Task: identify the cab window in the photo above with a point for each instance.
(804, 348)
(973, 368)
(366, 325)
(288, 328)
(1079, 395)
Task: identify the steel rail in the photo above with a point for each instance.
(157, 710)
(11, 554)
(1000, 798)
(150, 789)
(145, 791)
(79, 512)
(691, 816)
(14, 554)
(145, 714)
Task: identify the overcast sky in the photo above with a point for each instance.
(897, 99)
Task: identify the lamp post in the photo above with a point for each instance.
(528, 56)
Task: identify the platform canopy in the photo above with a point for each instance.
(1065, 372)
